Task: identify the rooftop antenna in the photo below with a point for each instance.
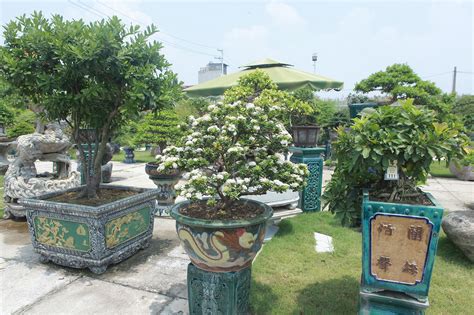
(221, 58)
(314, 58)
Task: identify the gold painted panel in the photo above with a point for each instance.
(62, 233)
(124, 228)
(398, 248)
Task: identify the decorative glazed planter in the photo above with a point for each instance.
(460, 171)
(399, 246)
(221, 245)
(129, 155)
(165, 183)
(91, 237)
(305, 136)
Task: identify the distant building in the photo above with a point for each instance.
(211, 71)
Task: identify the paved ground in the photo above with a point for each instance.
(151, 282)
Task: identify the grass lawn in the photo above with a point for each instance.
(289, 277)
(439, 169)
(140, 157)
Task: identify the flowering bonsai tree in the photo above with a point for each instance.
(238, 147)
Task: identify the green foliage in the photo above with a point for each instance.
(320, 112)
(464, 108)
(340, 118)
(95, 75)
(237, 148)
(23, 124)
(296, 111)
(160, 128)
(6, 115)
(124, 135)
(468, 159)
(356, 98)
(411, 136)
(191, 107)
(400, 82)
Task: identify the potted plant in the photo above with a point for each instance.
(83, 74)
(380, 163)
(406, 137)
(464, 167)
(302, 119)
(234, 150)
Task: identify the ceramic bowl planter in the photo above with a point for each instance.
(91, 237)
(221, 245)
(461, 172)
(305, 136)
(165, 182)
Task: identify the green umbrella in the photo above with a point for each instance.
(285, 77)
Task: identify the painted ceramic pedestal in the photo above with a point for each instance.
(90, 237)
(310, 196)
(223, 252)
(399, 248)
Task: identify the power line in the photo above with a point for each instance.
(166, 33)
(77, 5)
(90, 9)
(437, 74)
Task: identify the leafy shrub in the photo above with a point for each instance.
(236, 149)
(23, 124)
(159, 129)
(409, 135)
(464, 107)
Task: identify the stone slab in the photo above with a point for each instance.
(90, 296)
(323, 243)
(270, 232)
(22, 284)
(161, 268)
(15, 241)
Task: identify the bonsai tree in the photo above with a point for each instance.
(399, 81)
(237, 148)
(158, 128)
(93, 76)
(407, 137)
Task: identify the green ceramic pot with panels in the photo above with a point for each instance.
(93, 237)
(399, 246)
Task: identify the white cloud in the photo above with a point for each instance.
(285, 15)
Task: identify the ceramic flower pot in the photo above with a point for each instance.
(305, 136)
(461, 172)
(165, 182)
(129, 155)
(221, 245)
(91, 237)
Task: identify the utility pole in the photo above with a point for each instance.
(221, 58)
(454, 80)
(314, 58)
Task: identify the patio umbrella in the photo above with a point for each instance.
(282, 74)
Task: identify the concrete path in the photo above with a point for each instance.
(151, 282)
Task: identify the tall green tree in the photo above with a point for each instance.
(399, 81)
(91, 75)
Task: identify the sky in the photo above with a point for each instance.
(351, 38)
